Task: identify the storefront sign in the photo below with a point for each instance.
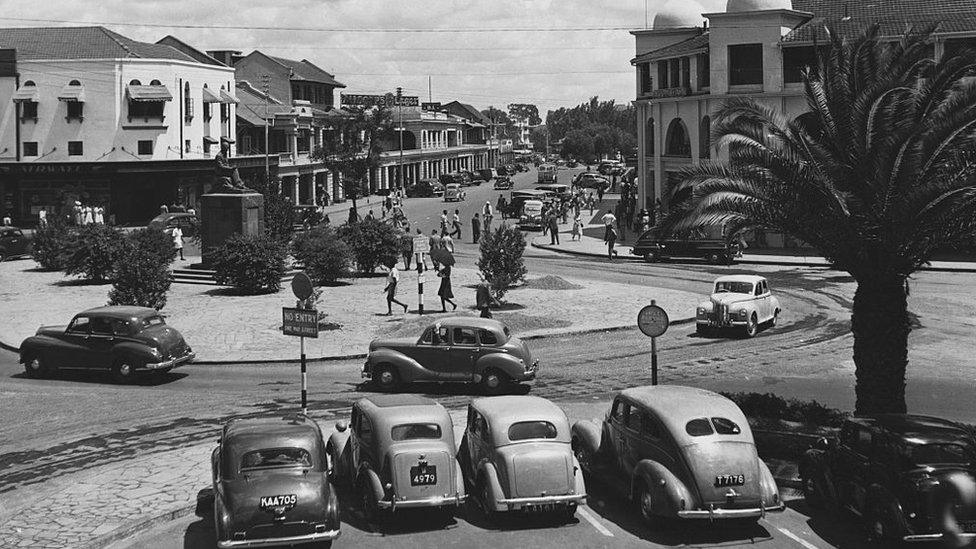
(668, 92)
(407, 101)
(362, 100)
(431, 106)
(51, 169)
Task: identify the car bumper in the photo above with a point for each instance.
(515, 504)
(171, 363)
(723, 514)
(317, 537)
(721, 323)
(530, 372)
(438, 501)
(969, 536)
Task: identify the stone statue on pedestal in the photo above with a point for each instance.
(227, 179)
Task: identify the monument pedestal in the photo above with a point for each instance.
(226, 214)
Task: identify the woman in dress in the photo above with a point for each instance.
(445, 292)
(177, 235)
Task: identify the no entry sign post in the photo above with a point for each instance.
(302, 321)
(653, 322)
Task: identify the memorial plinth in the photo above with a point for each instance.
(226, 214)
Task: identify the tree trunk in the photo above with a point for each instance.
(880, 325)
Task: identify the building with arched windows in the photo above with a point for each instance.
(694, 58)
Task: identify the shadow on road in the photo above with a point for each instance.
(105, 378)
(444, 389)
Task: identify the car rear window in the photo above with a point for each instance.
(417, 431)
(153, 321)
(701, 426)
(524, 430)
(276, 457)
(725, 426)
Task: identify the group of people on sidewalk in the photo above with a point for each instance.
(483, 298)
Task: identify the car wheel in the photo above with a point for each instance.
(493, 382)
(583, 456)
(36, 367)
(645, 503)
(484, 498)
(884, 522)
(123, 371)
(772, 321)
(714, 259)
(370, 507)
(752, 327)
(386, 378)
(651, 257)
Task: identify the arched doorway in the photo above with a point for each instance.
(677, 142)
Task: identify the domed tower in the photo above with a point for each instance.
(735, 6)
(679, 14)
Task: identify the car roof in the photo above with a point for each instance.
(270, 431)
(530, 192)
(385, 411)
(512, 408)
(752, 279)
(472, 322)
(918, 428)
(676, 405)
(7, 228)
(121, 311)
(391, 401)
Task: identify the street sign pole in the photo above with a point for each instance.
(420, 283)
(301, 286)
(653, 322)
(653, 359)
(302, 305)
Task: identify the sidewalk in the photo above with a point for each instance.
(229, 328)
(118, 500)
(590, 246)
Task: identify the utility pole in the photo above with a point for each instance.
(399, 96)
(266, 79)
(430, 95)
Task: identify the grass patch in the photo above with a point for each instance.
(518, 323)
(549, 282)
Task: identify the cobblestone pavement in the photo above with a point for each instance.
(223, 327)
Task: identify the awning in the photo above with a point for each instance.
(148, 93)
(211, 140)
(227, 97)
(210, 97)
(72, 93)
(25, 94)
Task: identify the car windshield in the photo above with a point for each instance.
(152, 321)
(929, 454)
(524, 430)
(724, 286)
(276, 457)
(416, 431)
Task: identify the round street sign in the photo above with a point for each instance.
(301, 285)
(652, 320)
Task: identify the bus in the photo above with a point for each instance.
(547, 173)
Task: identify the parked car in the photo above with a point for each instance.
(398, 453)
(271, 485)
(654, 248)
(678, 452)
(187, 222)
(514, 208)
(590, 180)
(572, 164)
(893, 470)
(453, 193)
(531, 217)
(611, 167)
(456, 349)
(516, 455)
(13, 243)
(740, 302)
(424, 188)
(522, 167)
(454, 177)
(557, 189)
(487, 174)
(123, 340)
(503, 183)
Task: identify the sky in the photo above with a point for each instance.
(374, 46)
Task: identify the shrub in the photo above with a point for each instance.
(326, 257)
(770, 406)
(372, 243)
(501, 259)
(154, 242)
(142, 274)
(279, 214)
(52, 245)
(95, 251)
(251, 264)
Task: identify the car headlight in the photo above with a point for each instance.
(743, 313)
(701, 310)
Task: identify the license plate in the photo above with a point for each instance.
(730, 480)
(279, 503)
(541, 508)
(423, 475)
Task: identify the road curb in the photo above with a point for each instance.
(127, 531)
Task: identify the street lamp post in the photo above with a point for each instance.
(399, 95)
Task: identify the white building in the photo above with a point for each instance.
(687, 67)
(88, 114)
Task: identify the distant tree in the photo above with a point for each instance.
(595, 141)
(279, 212)
(354, 148)
(538, 136)
(525, 111)
(562, 121)
(503, 125)
(501, 258)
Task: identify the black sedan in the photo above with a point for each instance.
(13, 243)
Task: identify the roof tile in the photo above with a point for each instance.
(81, 43)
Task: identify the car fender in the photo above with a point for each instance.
(707, 305)
(770, 491)
(489, 474)
(459, 478)
(407, 368)
(136, 353)
(579, 484)
(774, 301)
(588, 434)
(334, 448)
(667, 490)
(37, 343)
(506, 363)
(369, 480)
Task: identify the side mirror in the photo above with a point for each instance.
(341, 427)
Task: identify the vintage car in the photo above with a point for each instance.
(271, 484)
(531, 216)
(397, 453)
(453, 193)
(424, 188)
(13, 243)
(742, 302)
(487, 174)
(653, 247)
(590, 180)
(516, 456)
(503, 182)
(897, 472)
(187, 222)
(121, 339)
(463, 349)
(557, 189)
(678, 452)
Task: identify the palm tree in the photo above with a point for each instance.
(878, 175)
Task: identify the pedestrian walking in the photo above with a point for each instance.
(406, 249)
(611, 239)
(88, 217)
(456, 224)
(644, 221)
(353, 216)
(483, 297)
(553, 229)
(392, 279)
(435, 243)
(42, 218)
(99, 215)
(447, 242)
(577, 227)
(621, 224)
(387, 205)
(369, 216)
(475, 227)
(444, 222)
(501, 206)
(488, 216)
(445, 292)
(599, 192)
(177, 235)
(590, 203)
